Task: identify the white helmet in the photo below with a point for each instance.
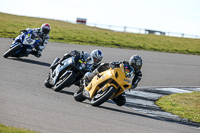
(97, 56)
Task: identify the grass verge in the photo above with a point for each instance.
(64, 32)
(185, 105)
(7, 129)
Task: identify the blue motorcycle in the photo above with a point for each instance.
(23, 44)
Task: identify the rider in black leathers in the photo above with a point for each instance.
(135, 62)
(96, 54)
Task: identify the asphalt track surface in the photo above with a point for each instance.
(26, 103)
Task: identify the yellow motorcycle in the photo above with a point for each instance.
(106, 85)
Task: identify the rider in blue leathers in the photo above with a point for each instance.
(43, 34)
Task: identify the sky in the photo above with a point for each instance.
(179, 16)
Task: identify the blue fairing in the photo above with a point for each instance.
(25, 48)
(14, 44)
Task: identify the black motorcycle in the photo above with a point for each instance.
(68, 71)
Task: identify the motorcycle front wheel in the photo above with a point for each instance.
(78, 95)
(64, 82)
(11, 51)
(46, 82)
(102, 97)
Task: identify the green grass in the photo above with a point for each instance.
(185, 105)
(7, 129)
(81, 34)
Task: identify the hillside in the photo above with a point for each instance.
(65, 32)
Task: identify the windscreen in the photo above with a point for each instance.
(129, 71)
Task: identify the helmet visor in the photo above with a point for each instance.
(96, 60)
(45, 31)
(137, 64)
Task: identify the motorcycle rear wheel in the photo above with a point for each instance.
(11, 51)
(98, 99)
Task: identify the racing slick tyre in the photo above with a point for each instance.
(78, 95)
(102, 97)
(46, 82)
(11, 51)
(65, 81)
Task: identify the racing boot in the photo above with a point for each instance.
(120, 100)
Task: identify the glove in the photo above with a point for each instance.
(23, 31)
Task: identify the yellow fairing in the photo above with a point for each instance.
(112, 77)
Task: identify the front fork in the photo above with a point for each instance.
(16, 43)
(54, 63)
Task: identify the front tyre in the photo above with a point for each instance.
(11, 51)
(65, 81)
(78, 95)
(46, 82)
(102, 97)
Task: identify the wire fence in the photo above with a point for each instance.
(139, 30)
(142, 31)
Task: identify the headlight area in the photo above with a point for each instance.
(70, 60)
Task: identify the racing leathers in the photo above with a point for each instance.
(121, 99)
(73, 54)
(44, 39)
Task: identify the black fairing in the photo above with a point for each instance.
(74, 68)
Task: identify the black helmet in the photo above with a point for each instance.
(45, 28)
(136, 62)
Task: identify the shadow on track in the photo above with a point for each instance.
(132, 112)
(32, 61)
(66, 92)
(124, 111)
(149, 116)
(135, 113)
